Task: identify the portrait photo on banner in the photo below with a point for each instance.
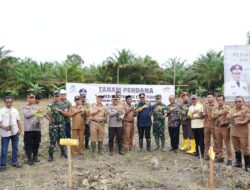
(237, 72)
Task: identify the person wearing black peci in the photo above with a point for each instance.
(144, 122)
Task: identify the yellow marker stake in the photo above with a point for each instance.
(212, 156)
(69, 143)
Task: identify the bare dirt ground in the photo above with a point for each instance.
(135, 170)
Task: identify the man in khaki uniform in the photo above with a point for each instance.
(98, 116)
(239, 116)
(128, 124)
(86, 105)
(222, 130)
(209, 125)
(78, 114)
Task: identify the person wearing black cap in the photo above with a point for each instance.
(188, 136)
(128, 124)
(236, 86)
(86, 105)
(116, 114)
(55, 114)
(33, 120)
(174, 122)
(159, 115)
(38, 98)
(144, 122)
(77, 113)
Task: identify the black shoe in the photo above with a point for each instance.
(171, 149)
(238, 157)
(206, 158)
(121, 153)
(149, 145)
(17, 165)
(86, 144)
(247, 163)
(140, 145)
(195, 154)
(30, 162)
(51, 158)
(157, 148)
(63, 154)
(219, 160)
(175, 150)
(149, 149)
(229, 163)
(35, 159)
(2, 168)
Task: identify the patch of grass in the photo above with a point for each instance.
(148, 181)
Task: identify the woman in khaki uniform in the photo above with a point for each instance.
(239, 116)
(78, 114)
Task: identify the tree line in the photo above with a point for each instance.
(17, 76)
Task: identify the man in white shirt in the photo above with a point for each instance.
(10, 129)
(195, 113)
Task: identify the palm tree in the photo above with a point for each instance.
(176, 71)
(207, 71)
(13, 92)
(4, 53)
(35, 88)
(119, 61)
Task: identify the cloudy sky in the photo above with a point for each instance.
(48, 30)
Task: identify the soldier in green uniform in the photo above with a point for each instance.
(55, 114)
(159, 116)
(66, 105)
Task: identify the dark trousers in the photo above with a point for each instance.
(68, 129)
(199, 139)
(4, 149)
(87, 135)
(115, 132)
(32, 141)
(144, 131)
(174, 133)
(187, 132)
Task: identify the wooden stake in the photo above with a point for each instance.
(211, 174)
(69, 167)
(69, 143)
(203, 174)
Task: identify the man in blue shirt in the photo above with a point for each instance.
(144, 112)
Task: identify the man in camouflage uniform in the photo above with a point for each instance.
(86, 105)
(66, 105)
(55, 114)
(174, 122)
(159, 122)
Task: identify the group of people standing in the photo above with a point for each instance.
(84, 121)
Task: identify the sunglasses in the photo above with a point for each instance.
(238, 101)
(31, 97)
(57, 96)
